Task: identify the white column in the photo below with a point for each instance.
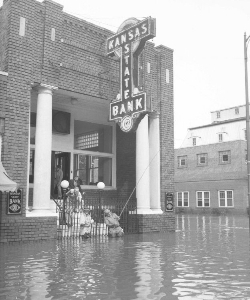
(42, 168)
(154, 158)
(142, 168)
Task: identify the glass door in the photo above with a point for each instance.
(62, 159)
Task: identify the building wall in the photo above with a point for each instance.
(213, 176)
(228, 113)
(238, 187)
(209, 134)
(18, 62)
(3, 37)
(61, 50)
(166, 105)
(16, 228)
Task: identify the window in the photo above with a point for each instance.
(148, 67)
(92, 169)
(87, 141)
(93, 152)
(93, 156)
(218, 114)
(220, 137)
(167, 76)
(31, 170)
(202, 159)
(32, 127)
(237, 110)
(203, 199)
(183, 199)
(245, 131)
(226, 199)
(194, 141)
(182, 161)
(92, 137)
(225, 157)
(22, 27)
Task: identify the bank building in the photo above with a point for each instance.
(97, 103)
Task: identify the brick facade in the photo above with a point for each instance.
(74, 61)
(155, 223)
(14, 228)
(214, 176)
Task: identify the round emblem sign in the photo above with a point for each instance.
(126, 123)
(170, 206)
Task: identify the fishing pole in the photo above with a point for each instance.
(138, 182)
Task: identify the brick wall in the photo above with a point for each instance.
(214, 169)
(75, 61)
(14, 228)
(239, 188)
(213, 176)
(160, 98)
(85, 67)
(4, 25)
(165, 92)
(19, 65)
(156, 223)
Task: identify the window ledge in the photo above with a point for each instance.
(226, 207)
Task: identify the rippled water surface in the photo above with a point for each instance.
(206, 258)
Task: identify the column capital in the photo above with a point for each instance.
(154, 114)
(44, 88)
(50, 87)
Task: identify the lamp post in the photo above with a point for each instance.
(64, 185)
(101, 186)
(246, 40)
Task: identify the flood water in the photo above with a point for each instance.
(207, 257)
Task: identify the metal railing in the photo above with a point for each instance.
(68, 224)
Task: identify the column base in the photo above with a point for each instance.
(41, 213)
(156, 211)
(144, 211)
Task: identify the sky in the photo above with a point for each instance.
(207, 37)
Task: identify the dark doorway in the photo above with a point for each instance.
(63, 159)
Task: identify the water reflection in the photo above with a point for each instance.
(216, 263)
(148, 269)
(206, 258)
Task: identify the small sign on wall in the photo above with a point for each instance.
(14, 206)
(169, 201)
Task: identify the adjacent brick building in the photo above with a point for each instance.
(210, 165)
(55, 92)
